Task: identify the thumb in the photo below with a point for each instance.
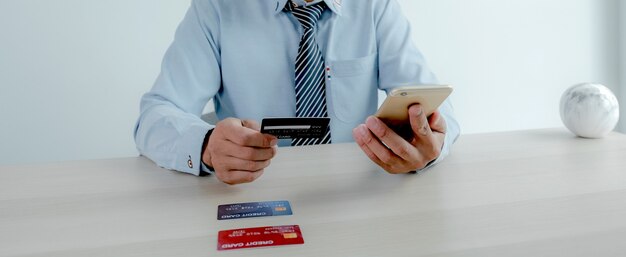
(251, 124)
(419, 123)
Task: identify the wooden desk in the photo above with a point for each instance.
(528, 193)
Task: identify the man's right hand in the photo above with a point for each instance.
(238, 151)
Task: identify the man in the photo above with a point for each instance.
(280, 58)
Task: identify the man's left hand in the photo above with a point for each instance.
(398, 155)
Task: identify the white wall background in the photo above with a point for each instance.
(511, 60)
(72, 71)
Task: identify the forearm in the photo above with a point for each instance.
(169, 136)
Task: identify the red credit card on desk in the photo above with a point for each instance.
(259, 237)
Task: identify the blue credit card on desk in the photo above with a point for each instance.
(290, 128)
(253, 209)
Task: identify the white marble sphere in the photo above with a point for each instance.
(589, 110)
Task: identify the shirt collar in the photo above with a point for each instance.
(333, 5)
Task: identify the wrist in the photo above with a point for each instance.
(206, 156)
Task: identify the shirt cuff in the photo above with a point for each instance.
(205, 170)
(189, 149)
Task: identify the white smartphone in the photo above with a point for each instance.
(396, 106)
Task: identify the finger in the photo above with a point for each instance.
(437, 123)
(391, 139)
(238, 177)
(233, 163)
(419, 123)
(369, 152)
(425, 141)
(376, 146)
(247, 152)
(238, 134)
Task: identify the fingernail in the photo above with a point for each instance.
(362, 130)
(373, 124)
(273, 141)
(356, 131)
(418, 109)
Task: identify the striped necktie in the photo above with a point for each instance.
(310, 79)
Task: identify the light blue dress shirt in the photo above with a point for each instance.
(241, 54)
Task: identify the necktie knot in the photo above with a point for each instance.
(308, 15)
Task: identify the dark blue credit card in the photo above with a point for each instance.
(253, 209)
